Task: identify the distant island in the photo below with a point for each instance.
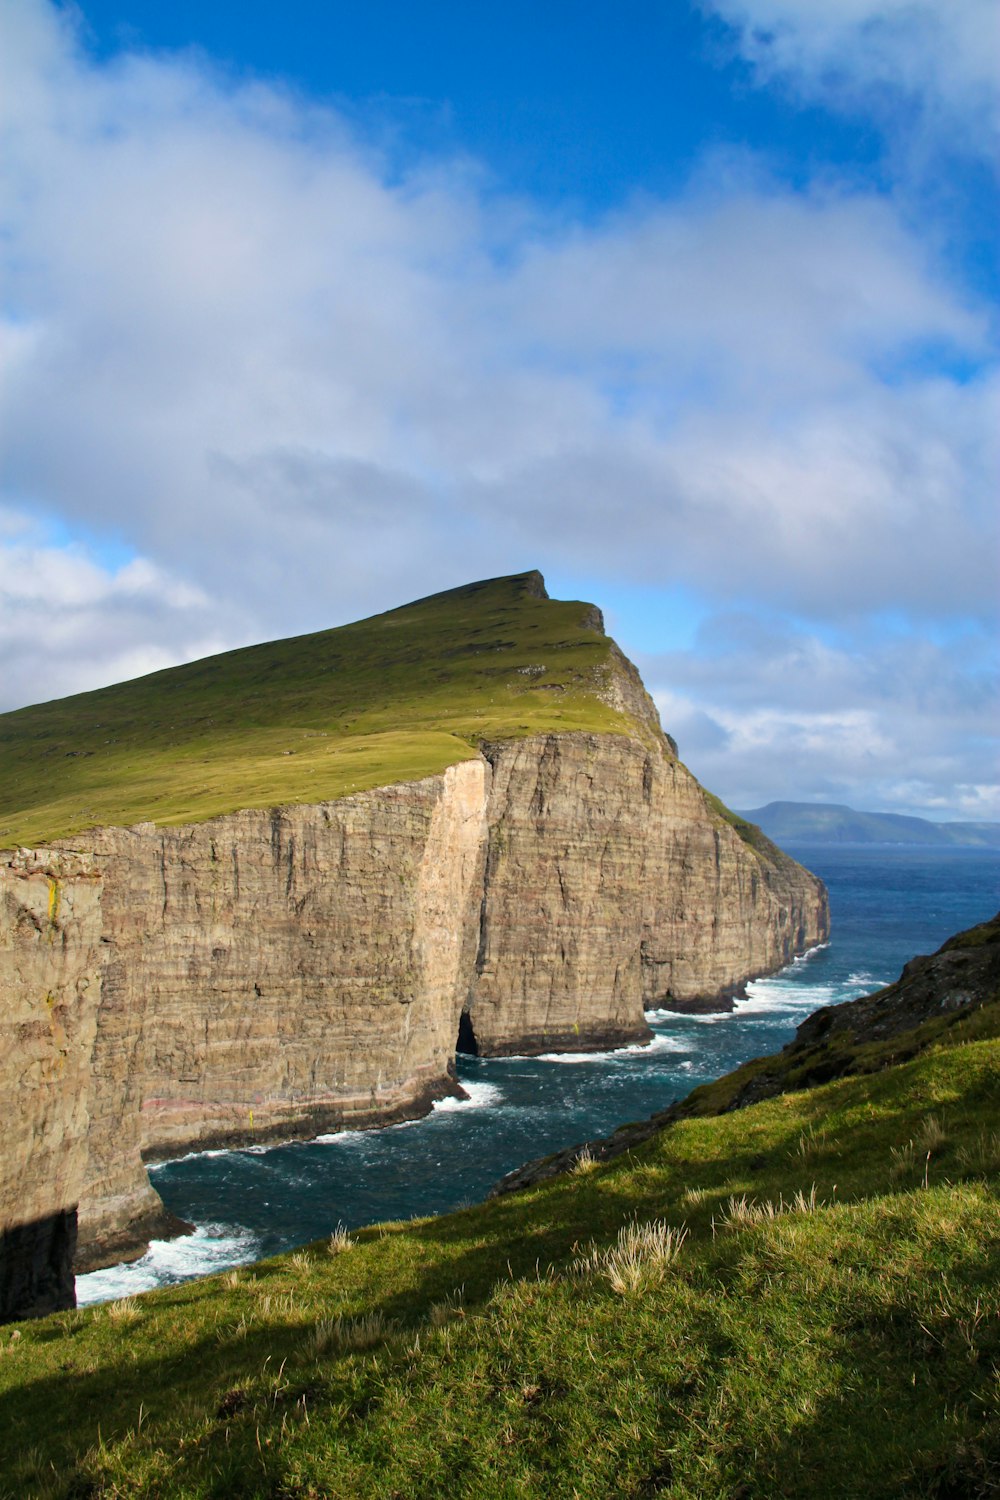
(832, 823)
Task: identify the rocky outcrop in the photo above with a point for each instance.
(274, 973)
(935, 997)
(961, 976)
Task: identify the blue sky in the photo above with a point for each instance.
(307, 310)
(579, 103)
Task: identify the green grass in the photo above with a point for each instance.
(393, 698)
(839, 1056)
(748, 832)
(828, 1327)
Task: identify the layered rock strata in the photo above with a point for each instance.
(272, 974)
(935, 997)
(610, 888)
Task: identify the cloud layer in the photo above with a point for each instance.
(301, 388)
(943, 60)
(768, 711)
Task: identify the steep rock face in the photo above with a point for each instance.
(50, 963)
(274, 974)
(270, 974)
(611, 886)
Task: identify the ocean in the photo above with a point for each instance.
(888, 903)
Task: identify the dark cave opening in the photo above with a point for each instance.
(466, 1036)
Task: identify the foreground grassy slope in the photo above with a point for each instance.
(829, 1327)
(392, 698)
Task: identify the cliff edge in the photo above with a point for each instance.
(268, 894)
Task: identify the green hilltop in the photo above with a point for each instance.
(393, 698)
(798, 1297)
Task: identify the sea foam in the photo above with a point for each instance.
(659, 1043)
(481, 1096)
(212, 1247)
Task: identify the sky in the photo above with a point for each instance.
(309, 310)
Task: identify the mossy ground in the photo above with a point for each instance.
(847, 1346)
(392, 698)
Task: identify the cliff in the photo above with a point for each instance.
(275, 971)
(936, 1002)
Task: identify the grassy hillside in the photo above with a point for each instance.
(799, 1298)
(393, 698)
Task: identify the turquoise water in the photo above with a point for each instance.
(887, 904)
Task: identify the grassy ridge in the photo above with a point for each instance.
(829, 1327)
(392, 698)
(833, 823)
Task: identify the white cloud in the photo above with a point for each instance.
(68, 622)
(943, 55)
(764, 710)
(301, 389)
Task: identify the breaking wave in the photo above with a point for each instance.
(481, 1096)
(212, 1247)
(659, 1043)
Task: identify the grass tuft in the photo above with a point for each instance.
(981, 1155)
(339, 1241)
(639, 1256)
(931, 1135)
(342, 1335)
(743, 1211)
(811, 1144)
(446, 1311)
(126, 1310)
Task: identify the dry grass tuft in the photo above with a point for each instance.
(982, 1154)
(348, 1335)
(931, 1135)
(586, 1161)
(640, 1255)
(234, 1332)
(452, 1307)
(811, 1143)
(339, 1241)
(271, 1304)
(743, 1212)
(902, 1159)
(126, 1310)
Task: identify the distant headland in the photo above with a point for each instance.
(833, 823)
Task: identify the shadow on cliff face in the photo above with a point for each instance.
(36, 1266)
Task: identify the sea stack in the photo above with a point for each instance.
(269, 894)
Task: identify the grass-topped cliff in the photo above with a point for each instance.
(795, 1298)
(393, 698)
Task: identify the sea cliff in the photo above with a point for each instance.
(276, 971)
